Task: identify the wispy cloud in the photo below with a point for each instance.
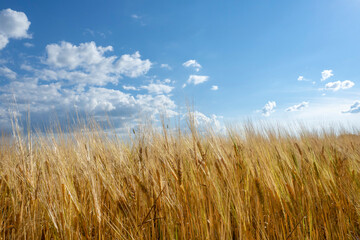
(135, 16)
(326, 74)
(298, 107)
(158, 88)
(7, 72)
(28, 45)
(165, 65)
(138, 18)
(129, 88)
(302, 79)
(192, 63)
(94, 33)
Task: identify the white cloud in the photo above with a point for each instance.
(298, 107)
(135, 16)
(130, 88)
(268, 108)
(354, 108)
(49, 100)
(13, 24)
(165, 65)
(206, 122)
(132, 66)
(184, 85)
(138, 18)
(3, 41)
(214, 88)
(156, 104)
(197, 79)
(192, 63)
(8, 73)
(28, 45)
(301, 78)
(67, 55)
(158, 88)
(335, 86)
(326, 74)
(87, 63)
(103, 99)
(76, 72)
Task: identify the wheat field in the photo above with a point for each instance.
(180, 184)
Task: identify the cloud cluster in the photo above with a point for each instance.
(87, 63)
(355, 108)
(73, 78)
(14, 25)
(268, 108)
(298, 107)
(192, 63)
(335, 86)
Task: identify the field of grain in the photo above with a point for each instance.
(180, 184)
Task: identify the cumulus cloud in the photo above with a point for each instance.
(192, 63)
(214, 88)
(301, 78)
(197, 79)
(158, 88)
(132, 66)
(14, 25)
(354, 108)
(8, 73)
(335, 86)
(87, 63)
(73, 78)
(298, 107)
(67, 55)
(326, 74)
(49, 100)
(156, 104)
(203, 121)
(268, 108)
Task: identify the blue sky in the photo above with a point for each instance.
(278, 60)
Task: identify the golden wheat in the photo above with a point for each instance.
(180, 185)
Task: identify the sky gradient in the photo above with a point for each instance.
(273, 60)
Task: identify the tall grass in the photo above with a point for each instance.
(180, 185)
